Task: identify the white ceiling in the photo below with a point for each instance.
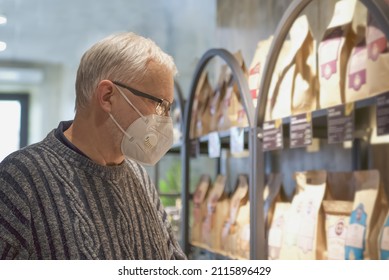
(59, 31)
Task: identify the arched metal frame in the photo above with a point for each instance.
(241, 81)
(258, 243)
(180, 100)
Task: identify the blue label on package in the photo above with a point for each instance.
(356, 231)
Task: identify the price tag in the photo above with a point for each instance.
(214, 146)
(340, 123)
(194, 148)
(273, 135)
(301, 130)
(382, 114)
(236, 140)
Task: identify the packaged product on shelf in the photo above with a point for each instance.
(377, 58)
(276, 230)
(232, 224)
(243, 238)
(203, 114)
(282, 95)
(197, 105)
(365, 210)
(272, 194)
(295, 90)
(199, 208)
(384, 240)
(333, 54)
(217, 212)
(304, 234)
(311, 177)
(275, 80)
(233, 112)
(304, 94)
(337, 213)
(256, 67)
(215, 108)
(356, 76)
(340, 186)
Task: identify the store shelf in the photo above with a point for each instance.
(248, 106)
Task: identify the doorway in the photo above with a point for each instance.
(13, 123)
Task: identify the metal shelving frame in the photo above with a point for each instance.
(241, 81)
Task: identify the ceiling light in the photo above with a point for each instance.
(3, 19)
(3, 46)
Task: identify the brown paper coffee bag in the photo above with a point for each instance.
(276, 230)
(215, 105)
(356, 76)
(199, 208)
(340, 186)
(243, 237)
(358, 242)
(337, 214)
(232, 224)
(233, 113)
(304, 86)
(377, 58)
(203, 113)
(304, 234)
(334, 51)
(217, 212)
(279, 71)
(196, 105)
(256, 67)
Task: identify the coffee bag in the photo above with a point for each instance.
(358, 245)
(377, 58)
(256, 67)
(217, 213)
(199, 208)
(277, 230)
(333, 54)
(337, 214)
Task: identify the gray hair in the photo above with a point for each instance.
(123, 57)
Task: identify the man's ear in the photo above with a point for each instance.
(104, 94)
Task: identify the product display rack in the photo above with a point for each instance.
(247, 103)
(262, 162)
(258, 241)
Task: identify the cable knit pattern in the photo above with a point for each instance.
(57, 204)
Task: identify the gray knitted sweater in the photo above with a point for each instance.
(57, 204)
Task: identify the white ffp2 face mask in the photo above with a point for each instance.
(148, 138)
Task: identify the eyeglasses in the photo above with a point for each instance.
(163, 107)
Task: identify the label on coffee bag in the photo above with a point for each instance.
(329, 51)
(355, 240)
(357, 68)
(376, 40)
(336, 238)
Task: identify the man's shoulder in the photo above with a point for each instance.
(21, 156)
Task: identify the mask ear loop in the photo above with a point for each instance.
(121, 129)
(132, 105)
